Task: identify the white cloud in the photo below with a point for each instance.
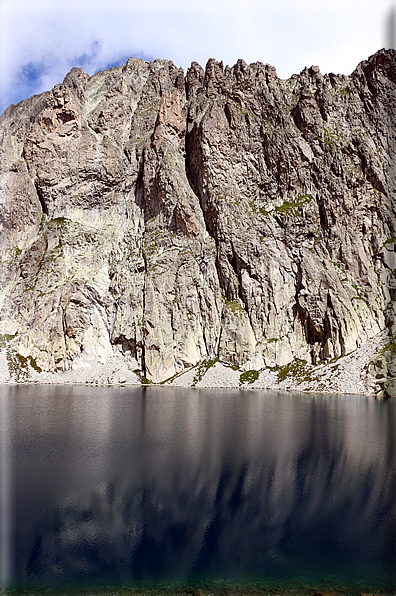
(54, 35)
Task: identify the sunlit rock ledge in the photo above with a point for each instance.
(220, 227)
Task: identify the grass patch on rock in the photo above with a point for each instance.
(143, 379)
(5, 338)
(202, 369)
(249, 377)
(234, 306)
(284, 208)
(289, 205)
(297, 370)
(18, 366)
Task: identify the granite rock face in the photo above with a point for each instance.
(177, 218)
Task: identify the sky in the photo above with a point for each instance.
(40, 41)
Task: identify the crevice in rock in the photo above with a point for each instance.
(324, 220)
(143, 334)
(194, 169)
(235, 264)
(139, 189)
(64, 323)
(41, 198)
(127, 152)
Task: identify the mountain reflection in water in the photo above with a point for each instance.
(122, 484)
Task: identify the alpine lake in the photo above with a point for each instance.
(159, 490)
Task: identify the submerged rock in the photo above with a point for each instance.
(171, 219)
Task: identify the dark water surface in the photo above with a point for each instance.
(121, 486)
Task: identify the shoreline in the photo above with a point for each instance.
(199, 588)
(347, 374)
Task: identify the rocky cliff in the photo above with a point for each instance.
(223, 214)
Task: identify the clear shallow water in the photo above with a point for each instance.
(122, 486)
